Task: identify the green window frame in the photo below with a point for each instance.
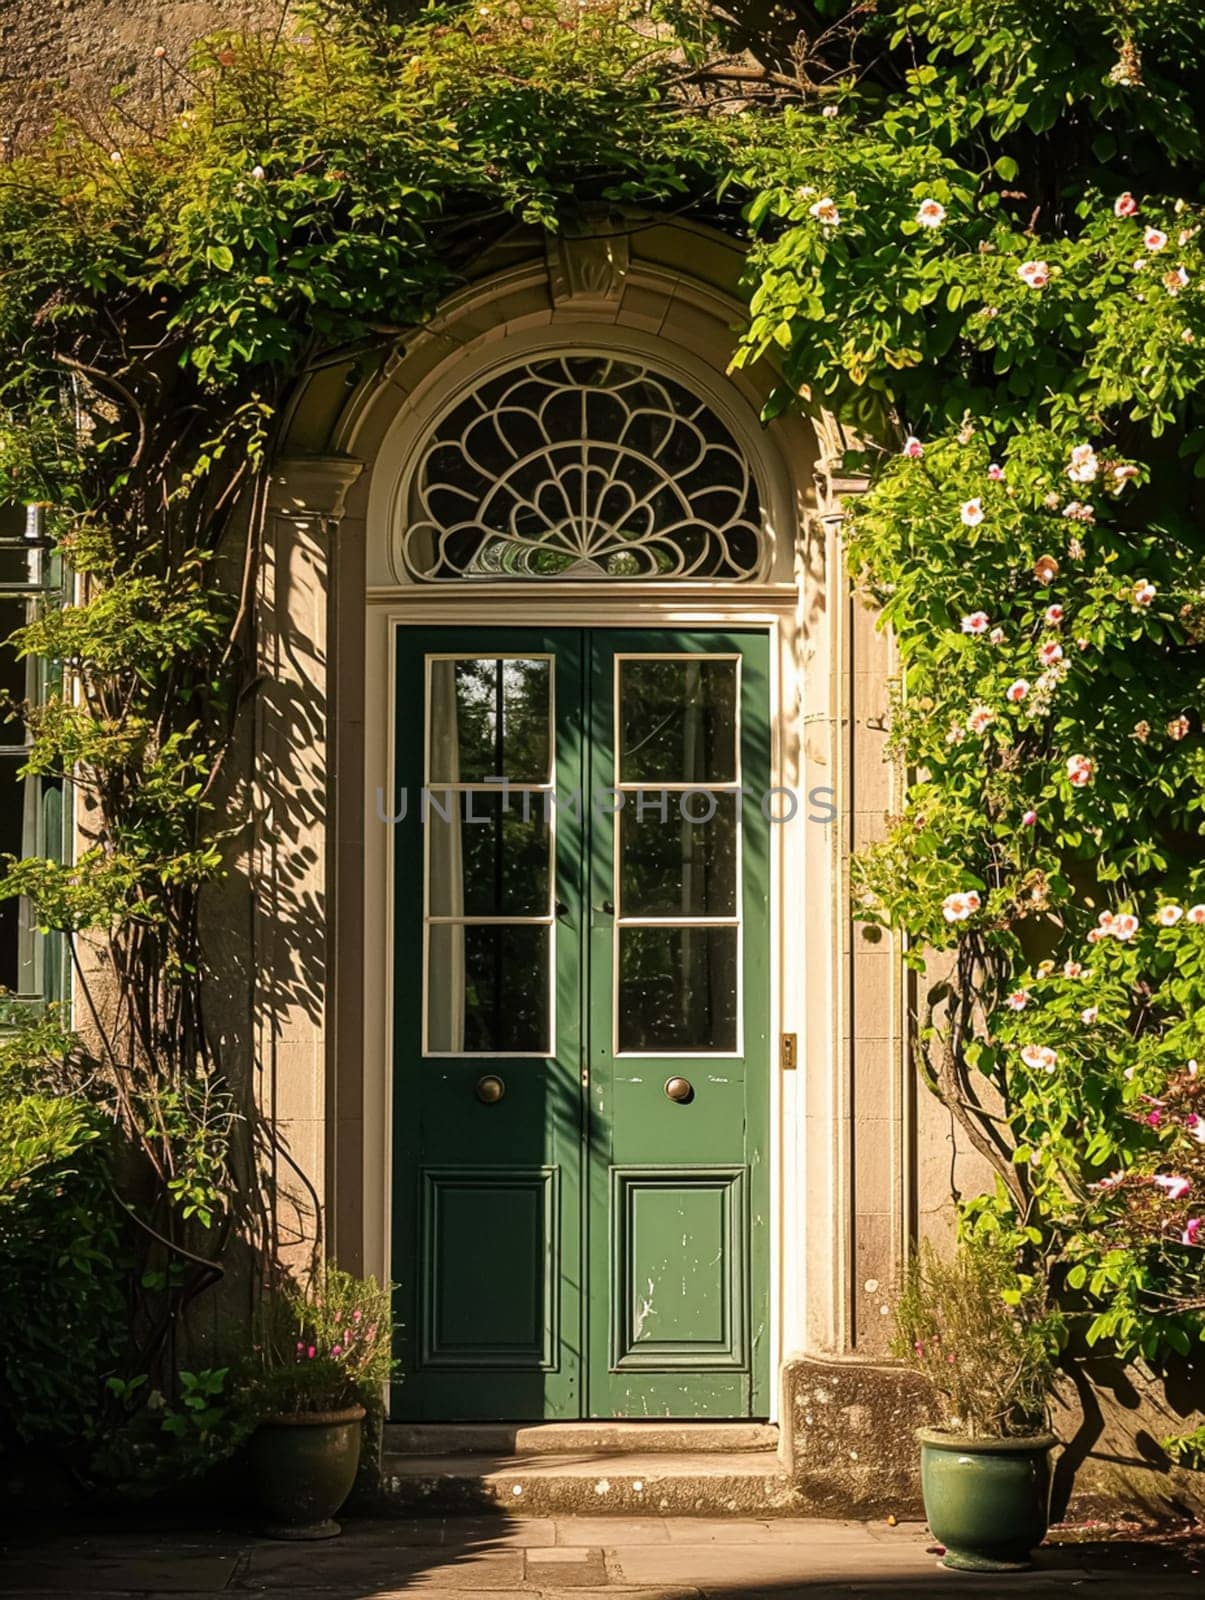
(33, 812)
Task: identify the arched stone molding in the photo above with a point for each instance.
(664, 293)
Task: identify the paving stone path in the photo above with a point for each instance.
(570, 1559)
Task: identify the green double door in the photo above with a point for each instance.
(581, 1014)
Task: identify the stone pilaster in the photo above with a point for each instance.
(295, 817)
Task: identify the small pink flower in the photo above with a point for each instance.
(1053, 616)
(1083, 465)
(1088, 1016)
(1178, 728)
(1125, 926)
(312, 1352)
(958, 907)
(931, 214)
(1153, 1118)
(972, 513)
(1018, 1000)
(1034, 274)
(1125, 205)
(996, 472)
(1154, 239)
(1191, 1228)
(1048, 654)
(1122, 473)
(825, 210)
(1029, 819)
(1080, 771)
(913, 448)
(1040, 1056)
(1142, 731)
(980, 719)
(996, 636)
(336, 1350)
(1175, 280)
(976, 622)
(1174, 1187)
(1195, 915)
(1167, 916)
(1143, 592)
(1195, 1126)
(1016, 692)
(1072, 969)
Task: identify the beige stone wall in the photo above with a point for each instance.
(54, 51)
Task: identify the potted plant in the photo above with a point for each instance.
(984, 1338)
(321, 1359)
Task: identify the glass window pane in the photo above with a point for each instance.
(677, 721)
(488, 990)
(20, 563)
(677, 989)
(30, 825)
(485, 859)
(18, 678)
(488, 719)
(673, 867)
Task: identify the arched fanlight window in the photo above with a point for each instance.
(581, 466)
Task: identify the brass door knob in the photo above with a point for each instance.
(680, 1089)
(490, 1089)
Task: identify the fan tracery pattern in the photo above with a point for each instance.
(582, 466)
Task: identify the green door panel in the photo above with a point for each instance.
(582, 1245)
(678, 967)
(487, 1196)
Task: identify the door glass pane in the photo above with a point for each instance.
(677, 989)
(488, 989)
(673, 867)
(489, 719)
(677, 720)
(486, 860)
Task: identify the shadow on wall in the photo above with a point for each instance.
(1111, 1418)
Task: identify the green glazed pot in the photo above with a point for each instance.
(987, 1500)
(303, 1470)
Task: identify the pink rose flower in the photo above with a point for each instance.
(1080, 771)
(1125, 205)
(1016, 692)
(1154, 239)
(1173, 1186)
(1040, 1056)
(913, 448)
(976, 622)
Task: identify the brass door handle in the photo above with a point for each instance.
(490, 1089)
(680, 1090)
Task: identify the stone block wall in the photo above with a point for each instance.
(58, 51)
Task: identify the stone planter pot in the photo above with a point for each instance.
(987, 1500)
(303, 1468)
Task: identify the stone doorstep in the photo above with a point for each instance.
(591, 1483)
(551, 1438)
